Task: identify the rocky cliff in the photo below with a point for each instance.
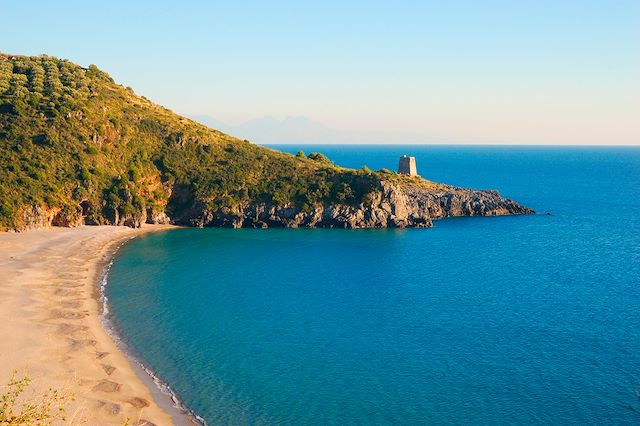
(390, 206)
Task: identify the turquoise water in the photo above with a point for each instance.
(508, 320)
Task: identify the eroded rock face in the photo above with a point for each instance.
(132, 220)
(157, 217)
(37, 217)
(391, 206)
(456, 202)
(42, 217)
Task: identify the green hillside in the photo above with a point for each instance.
(75, 144)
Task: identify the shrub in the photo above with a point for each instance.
(16, 409)
(317, 156)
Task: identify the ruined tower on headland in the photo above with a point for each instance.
(407, 166)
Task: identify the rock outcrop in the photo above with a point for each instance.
(35, 217)
(38, 217)
(390, 206)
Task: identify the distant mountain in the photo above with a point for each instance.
(270, 130)
(210, 122)
(289, 130)
(301, 130)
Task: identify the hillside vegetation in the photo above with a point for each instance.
(75, 147)
(72, 140)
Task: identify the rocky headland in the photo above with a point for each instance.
(392, 206)
(77, 148)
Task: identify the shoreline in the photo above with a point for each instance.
(53, 328)
(165, 396)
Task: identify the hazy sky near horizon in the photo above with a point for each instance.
(521, 71)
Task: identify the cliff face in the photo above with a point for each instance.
(391, 206)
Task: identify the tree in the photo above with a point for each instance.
(53, 85)
(36, 78)
(6, 72)
(317, 156)
(18, 86)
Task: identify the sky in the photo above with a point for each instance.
(487, 72)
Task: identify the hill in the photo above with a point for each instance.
(75, 147)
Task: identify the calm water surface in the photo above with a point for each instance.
(507, 320)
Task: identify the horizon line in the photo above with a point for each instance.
(454, 144)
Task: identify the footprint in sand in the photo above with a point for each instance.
(65, 328)
(138, 402)
(65, 292)
(111, 408)
(106, 386)
(70, 314)
(71, 276)
(71, 285)
(101, 355)
(109, 369)
(71, 304)
(76, 344)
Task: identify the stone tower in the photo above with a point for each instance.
(407, 166)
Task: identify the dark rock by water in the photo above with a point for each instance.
(391, 206)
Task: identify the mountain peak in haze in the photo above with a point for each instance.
(271, 130)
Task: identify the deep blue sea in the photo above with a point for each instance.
(506, 320)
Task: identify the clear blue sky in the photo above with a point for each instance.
(516, 71)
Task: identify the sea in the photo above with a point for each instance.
(476, 321)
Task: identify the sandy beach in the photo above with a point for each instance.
(50, 327)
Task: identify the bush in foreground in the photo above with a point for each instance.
(18, 408)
